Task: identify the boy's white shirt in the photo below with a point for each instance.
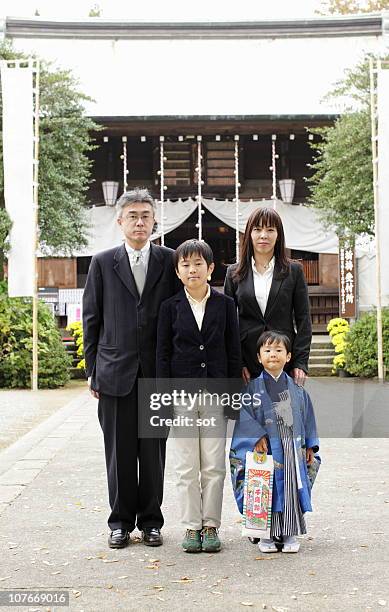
(198, 307)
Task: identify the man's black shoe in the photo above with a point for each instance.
(119, 538)
(152, 536)
(254, 540)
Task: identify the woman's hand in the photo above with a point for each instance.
(310, 456)
(299, 376)
(261, 445)
(246, 375)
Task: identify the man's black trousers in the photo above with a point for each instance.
(135, 466)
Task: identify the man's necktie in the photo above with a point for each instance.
(138, 271)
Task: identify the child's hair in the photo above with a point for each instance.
(274, 337)
(193, 247)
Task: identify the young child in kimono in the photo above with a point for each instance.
(198, 340)
(282, 423)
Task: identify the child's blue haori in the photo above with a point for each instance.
(257, 419)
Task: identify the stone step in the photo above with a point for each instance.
(327, 352)
(320, 370)
(319, 359)
(322, 345)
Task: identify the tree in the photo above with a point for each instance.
(64, 167)
(342, 182)
(349, 7)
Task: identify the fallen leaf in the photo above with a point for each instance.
(109, 586)
(55, 573)
(183, 580)
(170, 564)
(312, 573)
(246, 603)
(364, 546)
(216, 593)
(122, 577)
(110, 560)
(160, 598)
(154, 560)
(381, 602)
(76, 593)
(5, 578)
(152, 567)
(307, 593)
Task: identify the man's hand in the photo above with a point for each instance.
(310, 456)
(246, 375)
(299, 376)
(92, 391)
(261, 445)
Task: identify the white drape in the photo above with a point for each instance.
(17, 97)
(303, 230)
(383, 179)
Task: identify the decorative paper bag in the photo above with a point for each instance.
(257, 495)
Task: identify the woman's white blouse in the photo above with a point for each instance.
(262, 283)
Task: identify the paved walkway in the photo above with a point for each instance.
(21, 410)
(53, 505)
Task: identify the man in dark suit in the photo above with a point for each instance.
(123, 293)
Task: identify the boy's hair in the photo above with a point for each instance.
(193, 247)
(274, 337)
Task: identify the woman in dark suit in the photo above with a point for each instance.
(270, 293)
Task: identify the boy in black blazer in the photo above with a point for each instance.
(198, 338)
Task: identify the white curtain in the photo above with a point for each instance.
(17, 97)
(303, 230)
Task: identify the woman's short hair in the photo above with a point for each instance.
(274, 337)
(138, 194)
(193, 247)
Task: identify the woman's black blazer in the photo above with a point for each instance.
(287, 311)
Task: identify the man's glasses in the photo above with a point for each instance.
(133, 218)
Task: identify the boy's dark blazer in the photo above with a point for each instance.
(184, 351)
(120, 329)
(287, 311)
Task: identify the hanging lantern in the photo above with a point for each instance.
(287, 190)
(110, 191)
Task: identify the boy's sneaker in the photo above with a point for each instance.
(267, 545)
(192, 541)
(210, 540)
(291, 545)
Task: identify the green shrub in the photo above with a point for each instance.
(361, 349)
(78, 335)
(16, 345)
(338, 329)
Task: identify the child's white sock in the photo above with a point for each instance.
(291, 544)
(267, 545)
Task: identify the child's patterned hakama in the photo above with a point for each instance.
(285, 416)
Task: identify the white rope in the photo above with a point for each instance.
(162, 182)
(124, 157)
(237, 185)
(199, 223)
